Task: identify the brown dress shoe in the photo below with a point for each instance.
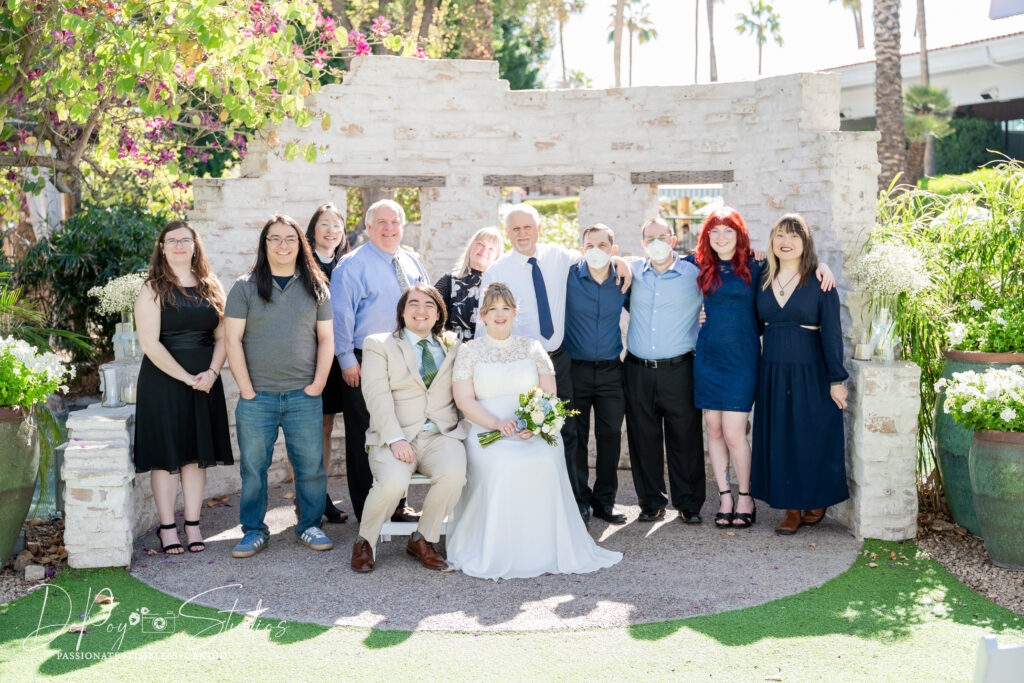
(362, 556)
(811, 517)
(423, 550)
(789, 524)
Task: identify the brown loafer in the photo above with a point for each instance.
(789, 524)
(811, 517)
(362, 556)
(423, 550)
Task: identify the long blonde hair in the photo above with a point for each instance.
(792, 224)
(489, 234)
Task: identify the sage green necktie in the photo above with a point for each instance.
(429, 366)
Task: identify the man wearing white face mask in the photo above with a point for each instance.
(593, 306)
(664, 306)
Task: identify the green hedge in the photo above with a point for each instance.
(957, 184)
(563, 206)
(967, 148)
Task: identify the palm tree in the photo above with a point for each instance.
(696, 38)
(922, 35)
(711, 38)
(637, 21)
(566, 7)
(617, 16)
(858, 19)
(762, 23)
(888, 92)
(926, 115)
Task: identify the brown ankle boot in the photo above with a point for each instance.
(811, 517)
(789, 524)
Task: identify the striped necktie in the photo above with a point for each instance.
(429, 366)
(403, 282)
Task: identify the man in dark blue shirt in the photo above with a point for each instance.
(593, 306)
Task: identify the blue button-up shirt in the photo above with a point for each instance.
(364, 294)
(664, 310)
(592, 313)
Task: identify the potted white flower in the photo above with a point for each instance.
(991, 405)
(890, 270)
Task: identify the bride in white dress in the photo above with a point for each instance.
(517, 517)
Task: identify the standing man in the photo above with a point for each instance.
(664, 306)
(593, 306)
(277, 333)
(414, 425)
(365, 288)
(537, 275)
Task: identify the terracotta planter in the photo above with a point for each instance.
(19, 468)
(953, 442)
(997, 480)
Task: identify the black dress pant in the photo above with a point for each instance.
(563, 379)
(599, 386)
(357, 462)
(660, 414)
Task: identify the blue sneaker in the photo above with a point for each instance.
(251, 543)
(316, 539)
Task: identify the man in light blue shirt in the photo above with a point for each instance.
(664, 307)
(365, 288)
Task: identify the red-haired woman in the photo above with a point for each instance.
(181, 423)
(728, 347)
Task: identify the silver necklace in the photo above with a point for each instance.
(782, 287)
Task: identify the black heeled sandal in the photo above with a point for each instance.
(727, 516)
(172, 546)
(192, 546)
(746, 519)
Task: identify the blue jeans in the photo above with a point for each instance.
(257, 421)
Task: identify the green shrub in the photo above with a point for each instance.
(92, 247)
(563, 206)
(966, 149)
(958, 184)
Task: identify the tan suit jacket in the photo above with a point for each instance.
(398, 401)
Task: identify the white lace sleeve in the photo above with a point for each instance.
(541, 358)
(464, 361)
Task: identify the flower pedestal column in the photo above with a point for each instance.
(881, 452)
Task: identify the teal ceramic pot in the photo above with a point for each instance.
(19, 468)
(953, 442)
(997, 480)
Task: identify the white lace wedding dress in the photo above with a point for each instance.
(517, 517)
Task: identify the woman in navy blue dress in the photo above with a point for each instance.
(728, 346)
(799, 461)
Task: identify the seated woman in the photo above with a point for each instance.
(460, 288)
(517, 517)
(799, 461)
(181, 422)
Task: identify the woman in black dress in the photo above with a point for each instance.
(460, 288)
(326, 235)
(181, 422)
(799, 461)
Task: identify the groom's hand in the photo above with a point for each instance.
(403, 451)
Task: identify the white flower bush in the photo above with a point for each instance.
(27, 375)
(993, 399)
(891, 269)
(118, 294)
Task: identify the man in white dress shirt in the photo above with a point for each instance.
(537, 274)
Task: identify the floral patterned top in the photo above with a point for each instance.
(462, 299)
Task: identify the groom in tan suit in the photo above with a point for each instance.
(414, 425)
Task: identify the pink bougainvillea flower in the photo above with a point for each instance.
(420, 53)
(362, 48)
(380, 26)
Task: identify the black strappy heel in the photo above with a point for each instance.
(727, 516)
(192, 546)
(172, 546)
(746, 519)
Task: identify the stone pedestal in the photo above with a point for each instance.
(881, 454)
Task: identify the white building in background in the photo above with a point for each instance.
(985, 79)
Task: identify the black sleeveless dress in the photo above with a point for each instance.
(176, 425)
(334, 389)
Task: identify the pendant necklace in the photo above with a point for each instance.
(782, 287)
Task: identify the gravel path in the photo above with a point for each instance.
(670, 570)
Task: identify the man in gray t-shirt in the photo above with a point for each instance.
(279, 337)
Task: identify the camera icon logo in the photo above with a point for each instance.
(152, 623)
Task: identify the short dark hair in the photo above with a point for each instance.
(596, 227)
(435, 296)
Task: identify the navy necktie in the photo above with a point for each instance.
(543, 309)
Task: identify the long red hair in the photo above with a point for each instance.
(709, 280)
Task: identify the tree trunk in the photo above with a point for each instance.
(711, 40)
(561, 48)
(479, 23)
(427, 19)
(696, 38)
(929, 167)
(620, 10)
(888, 91)
(760, 45)
(858, 25)
(631, 58)
(915, 162)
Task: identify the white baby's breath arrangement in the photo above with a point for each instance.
(891, 269)
(119, 294)
(993, 399)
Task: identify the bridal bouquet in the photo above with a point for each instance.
(538, 412)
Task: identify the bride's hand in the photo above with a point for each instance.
(506, 427)
(525, 433)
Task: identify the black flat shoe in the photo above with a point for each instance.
(727, 517)
(651, 515)
(690, 517)
(609, 515)
(332, 513)
(745, 519)
(585, 513)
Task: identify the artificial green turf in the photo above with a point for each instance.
(905, 619)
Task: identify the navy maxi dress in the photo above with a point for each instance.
(799, 460)
(728, 344)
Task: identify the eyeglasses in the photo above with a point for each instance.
(183, 242)
(277, 241)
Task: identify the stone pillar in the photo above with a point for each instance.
(615, 201)
(449, 216)
(881, 454)
(98, 475)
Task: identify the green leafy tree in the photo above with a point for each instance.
(975, 142)
(926, 115)
(762, 23)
